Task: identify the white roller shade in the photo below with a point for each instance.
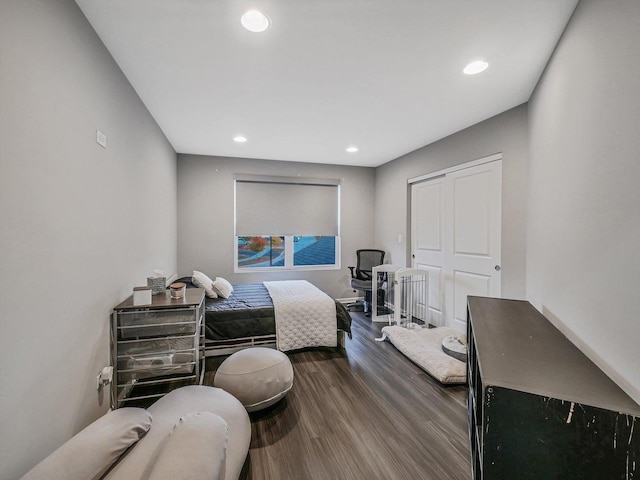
(286, 206)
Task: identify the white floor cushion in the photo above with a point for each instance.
(258, 377)
(424, 348)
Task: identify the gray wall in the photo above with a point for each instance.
(205, 217)
(81, 225)
(583, 265)
(505, 133)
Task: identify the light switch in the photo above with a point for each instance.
(101, 139)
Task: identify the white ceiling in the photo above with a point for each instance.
(385, 75)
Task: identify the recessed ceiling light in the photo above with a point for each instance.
(239, 139)
(476, 67)
(352, 149)
(255, 21)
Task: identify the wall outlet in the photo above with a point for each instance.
(101, 139)
(105, 377)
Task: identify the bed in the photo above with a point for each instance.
(247, 319)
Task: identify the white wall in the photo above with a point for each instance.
(506, 133)
(205, 217)
(80, 225)
(583, 260)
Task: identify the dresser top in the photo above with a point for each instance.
(192, 298)
(518, 348)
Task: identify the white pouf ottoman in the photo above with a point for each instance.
(257, 376)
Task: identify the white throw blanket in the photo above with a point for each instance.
(305, 316)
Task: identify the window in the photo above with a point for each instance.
(286, 223)
(260, 252)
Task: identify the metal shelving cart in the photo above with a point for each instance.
(156, 348)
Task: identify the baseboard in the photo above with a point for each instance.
(349, 300)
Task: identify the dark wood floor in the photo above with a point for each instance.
(362, 413)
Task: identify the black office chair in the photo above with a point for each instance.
(361, 276)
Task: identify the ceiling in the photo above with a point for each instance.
(383, 75)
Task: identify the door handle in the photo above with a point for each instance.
(413, 256)
(498, 268)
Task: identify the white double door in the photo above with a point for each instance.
(456, 222)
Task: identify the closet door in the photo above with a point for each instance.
(473, 237)
(427, 240)
(456, 234)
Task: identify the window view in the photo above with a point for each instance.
(275, 251)
(261, 252)
(314, 251)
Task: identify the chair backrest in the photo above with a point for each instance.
(367, 259)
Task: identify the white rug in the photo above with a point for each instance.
(424, 348)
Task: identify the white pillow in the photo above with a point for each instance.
(92, 451)
(196, 449)
(199, 279)
(222, 287)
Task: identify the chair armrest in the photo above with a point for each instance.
(352, 273)
(364, 275)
